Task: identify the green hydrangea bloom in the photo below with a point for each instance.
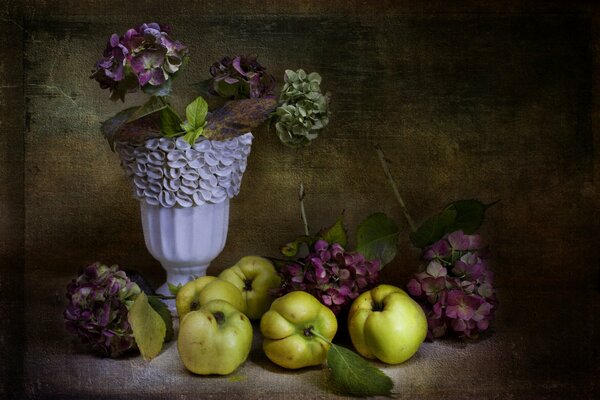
(304, 111)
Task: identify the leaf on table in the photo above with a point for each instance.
(356, 376)
(149, 329)
(433, 229)
(238, 117)
(161, 308)
(377, 238)
(335, 233)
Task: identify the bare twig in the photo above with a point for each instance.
(388, 174)
(302, 211)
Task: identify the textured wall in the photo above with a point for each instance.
(468, 100)
(494, 106)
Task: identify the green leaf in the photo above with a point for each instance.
(193, 135)
(335, 233)
(174, 289)
(133, 122)
(238, 117)
(161, 308)
(469, 215)
(154, 104)
(113, 125)
(162, 90)
(291, 249)
(170, 123)
(149, 329)
(356, 376)
(196, 112)
(433, 228)
(377, 237)
(465, 215)
(225, 89)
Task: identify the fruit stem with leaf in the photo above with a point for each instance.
(352, 373)
(388, 174)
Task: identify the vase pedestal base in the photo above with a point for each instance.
(179, 276)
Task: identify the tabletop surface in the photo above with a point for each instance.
(544, 345)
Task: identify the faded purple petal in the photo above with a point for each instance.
(435, 269)
(414, 287)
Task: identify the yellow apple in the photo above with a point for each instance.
(200, 291)
(216, 339)
(254, 276)
(385, 323)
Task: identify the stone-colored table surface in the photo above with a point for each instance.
(544, 346)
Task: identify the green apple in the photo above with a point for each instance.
(198, 292)
(254, 276)
(216, 339)
(294, 328)
(385, 323)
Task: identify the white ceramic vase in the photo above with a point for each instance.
(184, 192)
(185, 240)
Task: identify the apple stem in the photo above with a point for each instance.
(317, 334)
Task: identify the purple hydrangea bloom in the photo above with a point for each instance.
(455, 289)
(99, 300)
(144, 57)
(331, 274)
(240, 77)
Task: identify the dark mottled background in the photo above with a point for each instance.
(488, 100)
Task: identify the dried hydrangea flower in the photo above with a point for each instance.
(304, 111)
(99, 300)
(240, 77)
(455, 290)
(331, 274)
(144, 57)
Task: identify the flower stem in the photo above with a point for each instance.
(302, 211)
(163, 297)
(388, 174)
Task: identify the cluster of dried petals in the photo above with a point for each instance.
(455, 289)
(331, 274)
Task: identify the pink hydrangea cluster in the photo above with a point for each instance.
(455, 290)
(331, 274)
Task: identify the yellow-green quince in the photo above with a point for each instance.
(216, 339)
(385, 323)
(254, 276)
(198, 292)
(292, 330)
